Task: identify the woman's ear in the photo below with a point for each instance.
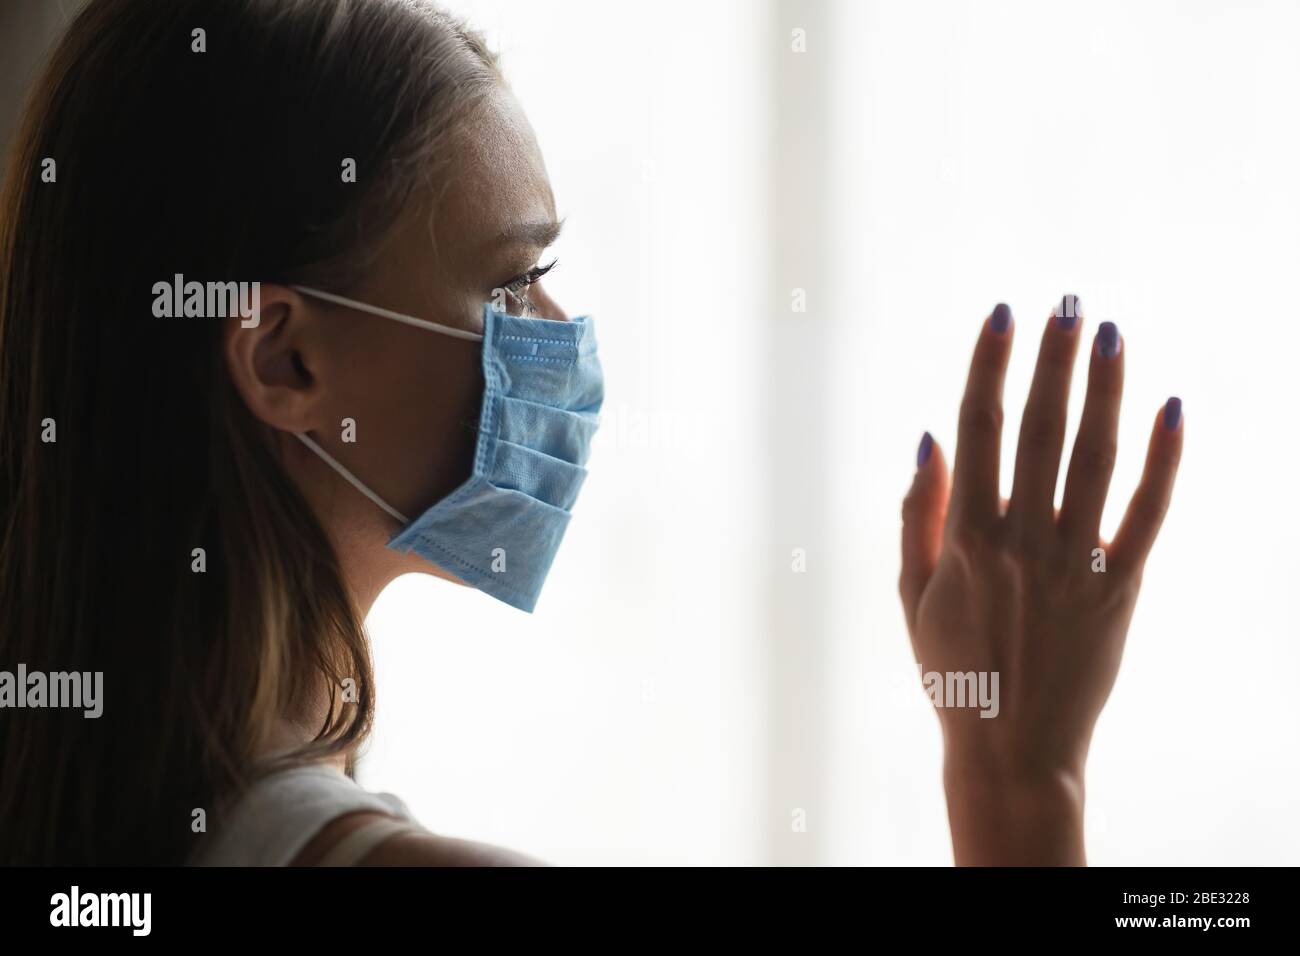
(278, 364)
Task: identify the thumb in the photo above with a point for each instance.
(924, 510)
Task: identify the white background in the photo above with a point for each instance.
(680, 692)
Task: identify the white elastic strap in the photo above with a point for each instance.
(352, 479)
(385, 313)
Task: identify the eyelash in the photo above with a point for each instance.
(518, 286)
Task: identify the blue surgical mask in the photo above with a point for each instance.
(543, 388)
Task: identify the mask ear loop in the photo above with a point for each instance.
(351, 479)
(388, 314)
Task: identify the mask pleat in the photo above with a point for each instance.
(549, 362)
(560, 434)
(536, 474)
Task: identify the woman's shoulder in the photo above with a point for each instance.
(283, 809)
(315, 815)
(407, 846)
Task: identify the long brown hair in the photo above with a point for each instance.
(223, 164)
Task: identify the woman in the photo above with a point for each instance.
(178, 535)
(199, 504)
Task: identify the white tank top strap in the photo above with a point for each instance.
(280, 814)
(354, 847)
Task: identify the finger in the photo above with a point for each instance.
(1146, 512)
(979, 435)
(1093, 459)
(1042, 429)
(923, 516)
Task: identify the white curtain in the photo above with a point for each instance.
(684, 693)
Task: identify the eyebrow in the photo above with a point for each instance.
(540, 234)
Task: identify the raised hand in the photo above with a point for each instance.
(1016, 589)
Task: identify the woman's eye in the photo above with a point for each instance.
(518, 286)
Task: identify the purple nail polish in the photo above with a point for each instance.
(1001, 317)
(1067, 311)
(923, 452)
(1108, 340)
(1173, 413)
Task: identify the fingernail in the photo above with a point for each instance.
(1108, 340)
(1173, 413)
(923, 451)
(1001, 317)
(1067, 311)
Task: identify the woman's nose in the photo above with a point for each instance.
(544, 305)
